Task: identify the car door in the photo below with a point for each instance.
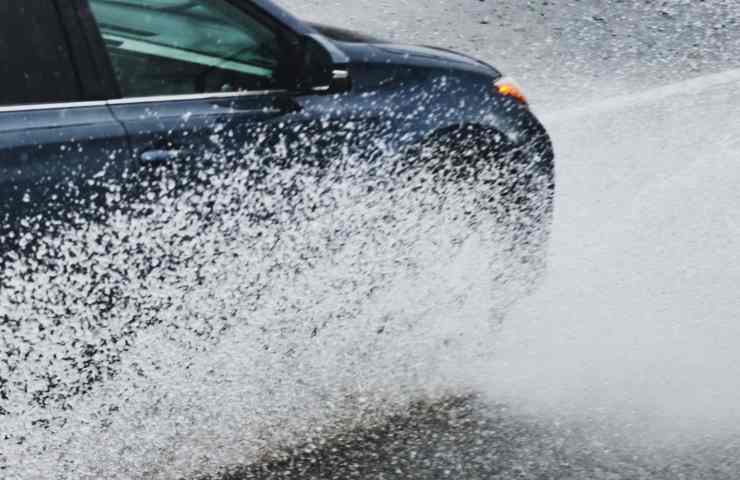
(198, 79)
(61, 149)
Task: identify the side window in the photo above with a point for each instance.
(173, 47)
(36, 66)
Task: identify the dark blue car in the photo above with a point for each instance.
(107, 91)
(115, 111)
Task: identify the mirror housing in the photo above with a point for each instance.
(324, 68)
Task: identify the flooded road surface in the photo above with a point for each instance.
(470, 439)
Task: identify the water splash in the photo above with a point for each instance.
(239, 315)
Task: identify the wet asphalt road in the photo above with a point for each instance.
(464, 438)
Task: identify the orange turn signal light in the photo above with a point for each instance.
(509, 88)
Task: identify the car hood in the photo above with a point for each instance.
(363, 48)
(343, 35)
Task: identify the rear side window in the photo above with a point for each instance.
(172, 47)
(35, 63)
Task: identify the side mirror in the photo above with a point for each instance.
(324, 67)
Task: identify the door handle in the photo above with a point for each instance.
(160, 155)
